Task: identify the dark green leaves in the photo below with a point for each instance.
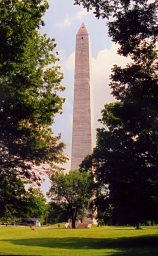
(73, 191)
(30, 80)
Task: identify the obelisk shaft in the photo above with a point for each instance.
(81, 135)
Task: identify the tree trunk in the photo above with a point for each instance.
(137, 225)
(73, 223)
(73, 211)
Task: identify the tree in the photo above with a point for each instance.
(56, 213)
(11, 196)
(29, 84)
(34, 204)
(127, 180)
(73, 191)
(126, 153)
(17, 202)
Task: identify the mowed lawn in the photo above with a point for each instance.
(98, 241)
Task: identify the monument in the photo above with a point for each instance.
(81, 133)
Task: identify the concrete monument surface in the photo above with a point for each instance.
(81, 134)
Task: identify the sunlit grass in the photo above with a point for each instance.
(79, 242)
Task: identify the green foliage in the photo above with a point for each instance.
(17, 202)
(125, 157)
(56, 213)
(100, 8)
(73, 191)
(29, 82)
(35, 205)
(11, 193)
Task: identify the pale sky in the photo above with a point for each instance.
(62, 22)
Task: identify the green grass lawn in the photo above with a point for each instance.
(98, 241)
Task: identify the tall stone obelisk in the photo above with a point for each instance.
(81, 134)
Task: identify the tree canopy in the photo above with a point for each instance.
(17, 202)
(73, 191)
(11, 191)
(30, 83)
(56, 213)
(125, 157)
(34, 204)
(30, 80)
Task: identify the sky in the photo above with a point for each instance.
(62, 22)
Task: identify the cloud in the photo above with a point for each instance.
(69, 20)
(151, 1)
(70, 62)
(65, 23)
(80, 14)
(101, 70)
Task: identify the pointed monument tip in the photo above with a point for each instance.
(82, 30)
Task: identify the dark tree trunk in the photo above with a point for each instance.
(73, 223)
(137, 225)
(73, 211)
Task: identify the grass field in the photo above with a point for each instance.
(98, 241)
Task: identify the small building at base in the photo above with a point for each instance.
(31, 222)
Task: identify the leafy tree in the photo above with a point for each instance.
(56, 213)
(11, 196)
(125, 157)
(73, 191)
(127, 180)
(29, 85)
(34, 204)
(16, 202)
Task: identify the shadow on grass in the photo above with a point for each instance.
(144, 245)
